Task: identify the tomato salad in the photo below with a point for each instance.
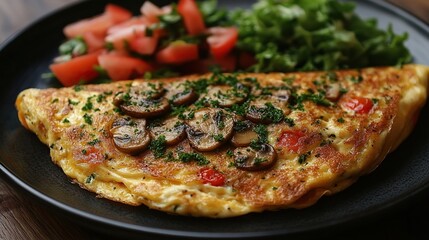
(192, 36)
(122, 46)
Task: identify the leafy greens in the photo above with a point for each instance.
(304, 35)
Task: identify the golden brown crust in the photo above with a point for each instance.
(338, 145)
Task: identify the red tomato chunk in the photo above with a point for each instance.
(77, 70)
(291, 140)
(212, 177)
(359, 105)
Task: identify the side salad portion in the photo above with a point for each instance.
(194, 36)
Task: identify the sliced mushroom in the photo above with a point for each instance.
(243, 139)
(150, 90)
(120, 97)
(226, 96)
(145, 108)
(333, 91)
(180, 95)
(172, 128)
(209, 129)
(143, 91)
(243, 133)
(267, 109)
(249, 159)
(281, 95)
(129, 135)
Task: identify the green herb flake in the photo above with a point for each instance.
(341, 120)
(289, 121)
(303, 157)
(74, 103)
(258, 161)
(188, 157)
(356, 79)
(94, 141)
(90, 178)
(66, 120)
(158, 146)
(78, 88)
(219, 138)
(88, 105)
(87, 118)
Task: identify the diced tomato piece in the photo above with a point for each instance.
(93, 41)
(116, 13)
(211, 176)
(167, 9)
(222, 40)
(246, 60)
(144, 45)
(192, 16)
(133, 21)
(151, 11)
(99, 24)
(177, 52)
(77, 69)
(291, 140)
(122, 37)
(360, 105)
(123, 67)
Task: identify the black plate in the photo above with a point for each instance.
(26, 161)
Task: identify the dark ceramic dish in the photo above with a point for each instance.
(26, 161)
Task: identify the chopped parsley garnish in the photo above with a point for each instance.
(258, 161)
(289, 121)
(229, 153)
(78, 88)
(296, 100)
(87, 118)
(188, 157)
(356, 79)
(262, 132)
(341, 120)
(240, 109)
(240, 126)
(88, 105)
(90, 178)
(66, 120)
(74, 103)
(219, 138)
(158, 146)
(94, 141)
(288, 80)
(269, 112)
(303, 157)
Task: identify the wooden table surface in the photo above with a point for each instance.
(22, 218)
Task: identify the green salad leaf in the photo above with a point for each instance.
(304, 35)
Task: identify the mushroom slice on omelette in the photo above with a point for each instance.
(224, 145)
